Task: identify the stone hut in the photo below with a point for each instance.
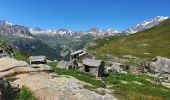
(94, 67)
(37, 60)
(77, 55)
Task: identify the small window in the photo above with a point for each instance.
(1, 51)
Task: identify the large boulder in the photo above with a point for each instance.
(160, 65)
(9, 63)
(115, 67)
(11, 66)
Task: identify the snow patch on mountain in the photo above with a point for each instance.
(3, 22)
(146, 24)
(51, 32)
(93, 31)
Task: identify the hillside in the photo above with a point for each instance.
(145, 44)
(65, 43)
(6, 47)
(19, 55)
(20, 38)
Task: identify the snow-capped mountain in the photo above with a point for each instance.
(38, 31)
(146, 24)
(93, 31)
(20, 38)
(2, 22)
(8, 29)
(102, 33)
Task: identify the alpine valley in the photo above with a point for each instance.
(57, 44)
(131, 64)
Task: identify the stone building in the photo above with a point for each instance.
(79, 55)
(37, 60)
(94, 67)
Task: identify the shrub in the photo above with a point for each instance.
(25, 94)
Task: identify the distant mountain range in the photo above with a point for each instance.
(57, 44)
(100, 33)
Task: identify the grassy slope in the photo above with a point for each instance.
(124, 86)
(136, 87)
(156, 38)
(35, 47)
(21, 56)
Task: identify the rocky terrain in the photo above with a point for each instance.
(47, 86)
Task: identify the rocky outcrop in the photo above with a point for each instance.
(9, 63)
(8, 91)
(117, 67)
(17, 70)
(160, 65)
(114, 67)
(58, 88)
(10, 66)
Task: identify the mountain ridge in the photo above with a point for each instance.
(94, 31)
(147, 44)
(20, 38)
(62, 41)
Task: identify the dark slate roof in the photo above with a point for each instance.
(77, 52)
(37, 58)
(92, 62)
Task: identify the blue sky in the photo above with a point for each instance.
(82, 14)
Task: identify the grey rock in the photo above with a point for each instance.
(59, 88)
(42, 67)
(160, 65)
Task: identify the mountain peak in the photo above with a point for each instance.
(161, 18)
(3, 22)
(146, 24)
